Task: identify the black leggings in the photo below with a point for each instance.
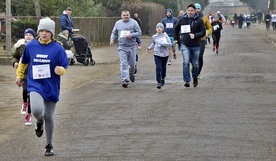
(201, 52)
(216, 39)
(25, 95)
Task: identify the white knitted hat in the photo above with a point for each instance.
(46, 24)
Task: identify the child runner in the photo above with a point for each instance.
(216, 34)
(47, 61)
(19, 46)
(161, 44)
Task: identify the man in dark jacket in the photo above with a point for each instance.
(169, 23)
(66, 21)
(190, 28)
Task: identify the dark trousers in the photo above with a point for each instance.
(216, 39)
(201, 52)
(161, 67)
(25, 94)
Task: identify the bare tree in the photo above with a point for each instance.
(37, 10)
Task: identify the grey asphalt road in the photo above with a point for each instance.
(230, 116)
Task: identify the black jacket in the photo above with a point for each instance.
(197, 27)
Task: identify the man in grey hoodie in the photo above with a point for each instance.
(126, 30)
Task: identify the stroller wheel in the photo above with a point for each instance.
(86, 62)
(92, 62)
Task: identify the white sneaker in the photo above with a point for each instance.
(170, 63)
(199, 77)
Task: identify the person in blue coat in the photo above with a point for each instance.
(66, 21)
(169, 23)
(248, 21)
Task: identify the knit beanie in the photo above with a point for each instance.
(160, 25)
(30, 31)
(46, 24)
(198, 6)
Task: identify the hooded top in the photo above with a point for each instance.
(195, 25)
(160, 44)
(169, 23)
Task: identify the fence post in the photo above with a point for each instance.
(8, 27)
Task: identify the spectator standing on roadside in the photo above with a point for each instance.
(169, 23)
(137, 19)
(203, 41)
(126, 30)
(46, 61)
(66, 21)
(190, 28)
(19, 46)
(161, 43)
(267, 21)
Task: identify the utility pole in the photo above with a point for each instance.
(8, 27)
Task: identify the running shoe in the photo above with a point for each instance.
(199, 77)
(132, 77)
(28, 119)
(24, 108)
(49, 150)
(162, 82)
(124, 84)
(195, 82)
(187, 84)
(39, 129)
(159, 85)
(174, 56)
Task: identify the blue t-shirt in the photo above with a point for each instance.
(44, 59)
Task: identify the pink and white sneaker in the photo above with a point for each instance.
(24, 108)
(28, 119)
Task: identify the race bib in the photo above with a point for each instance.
(41, 71)
(169, 25)
(267, 19)
(185, 29)
(124, 33)
(216, 27)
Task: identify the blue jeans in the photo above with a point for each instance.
(161, 67)
(190, 55)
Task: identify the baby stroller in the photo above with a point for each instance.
(83, 52)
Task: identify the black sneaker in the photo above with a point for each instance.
(49, 150)
(174, 56)
(195, 82)
(187, 84)
(159, 85)
(132, 77)
(162, 82)
(39, 129)
(125, 84)
(135, 70)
